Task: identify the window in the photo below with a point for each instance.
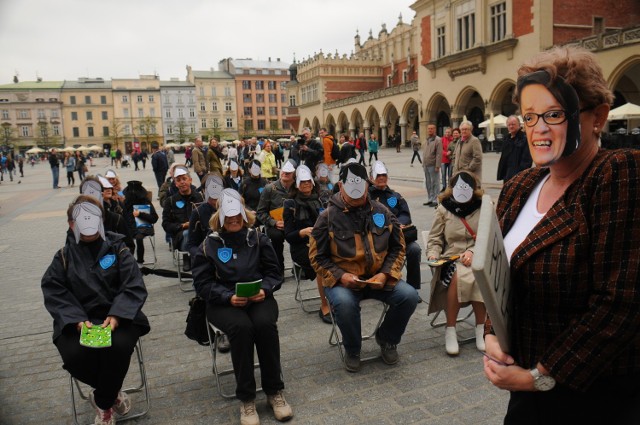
(246, 98)
(151, 98)
(127, 129)
(74, 116)
(271, 85)
(227, 91)
(498, 22)
(283, 111)
(246, 85)
(260, 110)
(214, 106)
(87, 100)
(90, 131)
(201, 91)
(598, 25)
(192, 129)
(105, 131)
(23, 113)
(72, 100)
(229, 122)
(203, 123)
(55, 129)
(179, 100)
(76, 132)
(43, 131)
(152, 112)
(227, 106)
(153, 129)
(285, 125)
(405, 76)
(466, 21)
(283, 85)
(202, 108)
(192, 113)
(248, 111)
(283, 98)
(273, 98)
(139, 98)
(273, 124)
(89, 115)
(125, 98)
(24, 130)
(54, 113)
(248, 125)
(140, 113)
(125, 112)
(167, 113)
(103, 100)
(180, 113)
(5, 114)
(169, 129)
(389, 80)
(105, 115)
(440, 37)
(216, 123)
(292, 100)
(259, 85)
(214, 92)
(261, 125)
(260, 98)
(41, 114)
(273, 110)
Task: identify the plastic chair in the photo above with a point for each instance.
(214, 333)
(301, 295)
(142, 387)
(335, 338)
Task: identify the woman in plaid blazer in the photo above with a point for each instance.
(572, 238)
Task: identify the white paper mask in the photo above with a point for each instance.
(303, 174)
(233, 166)
(255, 170)
(106, 184)
(354, 186)
(462, 191)
(323, 171)
(230, 205)
(87, 219)
(378, 168)
(214, 187)
(288, 167)
(92, 188)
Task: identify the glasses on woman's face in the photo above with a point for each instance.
(553, 117)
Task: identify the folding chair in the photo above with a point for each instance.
(152, 241)
(335, 338)
(184, 283)
(214, 333)
(302, 295)
(141, 387)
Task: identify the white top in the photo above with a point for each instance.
(526, 221)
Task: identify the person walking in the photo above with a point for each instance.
(159, 164)
(55, 167)
(415, 145)
(361, 145)
(372, 144)
(70, 165)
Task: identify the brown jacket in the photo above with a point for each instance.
(199, 161)
(468, 156)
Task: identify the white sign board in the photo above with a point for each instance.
(492, 272)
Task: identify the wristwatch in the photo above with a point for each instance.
(542, 382)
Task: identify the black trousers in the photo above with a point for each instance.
(416, 154)
(159, 178)
(610, 400)
(253, 325)
(300, 255)
(277, 240)
(139, 238)
(372, 154)
(103, 369)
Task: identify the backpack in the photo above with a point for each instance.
(335, 150)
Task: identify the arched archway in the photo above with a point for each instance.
(409, 117)
(470, 104)
(372, 118)
(501, 99)
(343, 124)
(391, 116)
(306, 124)
(439, 112)
(330, 124)
(315, 127)
(357, 123)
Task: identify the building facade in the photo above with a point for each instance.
(215, 101)
(179, 115)
(261, 99)
(458, 59)
(87, 111)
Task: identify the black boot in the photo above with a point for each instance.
(186, 262)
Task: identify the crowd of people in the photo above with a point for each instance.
(568, 226)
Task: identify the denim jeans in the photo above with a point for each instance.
(55, 171)
(431, 178)
(345, 304)
(413, 264)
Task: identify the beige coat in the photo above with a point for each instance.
(468, 156)
(448, 236)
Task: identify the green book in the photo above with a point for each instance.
(248, 289)
(95, 336)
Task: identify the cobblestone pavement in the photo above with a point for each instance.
(425, 387)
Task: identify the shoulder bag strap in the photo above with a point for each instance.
(473, 234)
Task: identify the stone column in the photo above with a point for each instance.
(383, 138)
(352, 131)
(367, 132)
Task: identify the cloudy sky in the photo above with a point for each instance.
(67, 39)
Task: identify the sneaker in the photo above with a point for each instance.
(122, 406)
(389, 351)
(451, 341)
(281, 409)
(223, 343)
(248, 414)
(104, 417)
(480, 337)
(352, 362)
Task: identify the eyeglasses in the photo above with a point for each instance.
(553, 117)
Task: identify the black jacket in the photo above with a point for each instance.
(515, 156)
(393, 201)
(347, 151)
(77, 288)
(159, 163)
(199, 225)
(253, 258)
(251, 189)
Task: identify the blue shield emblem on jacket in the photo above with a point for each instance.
(224, 254)
(180, 204)
(260, 189)
(392, 201)
(107, 261)
(378, 219)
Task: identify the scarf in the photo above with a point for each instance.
(307, 207)
(461, 210)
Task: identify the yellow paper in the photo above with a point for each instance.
(277, 214)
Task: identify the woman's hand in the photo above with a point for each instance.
(87, 323)
(501, 370)
(304, 233)
(110, 321)
(466, 258)
(257, 298)
(239, 301)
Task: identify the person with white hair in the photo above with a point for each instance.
(468, 152)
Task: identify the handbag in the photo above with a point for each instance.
(197, 321)
(410, 234)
